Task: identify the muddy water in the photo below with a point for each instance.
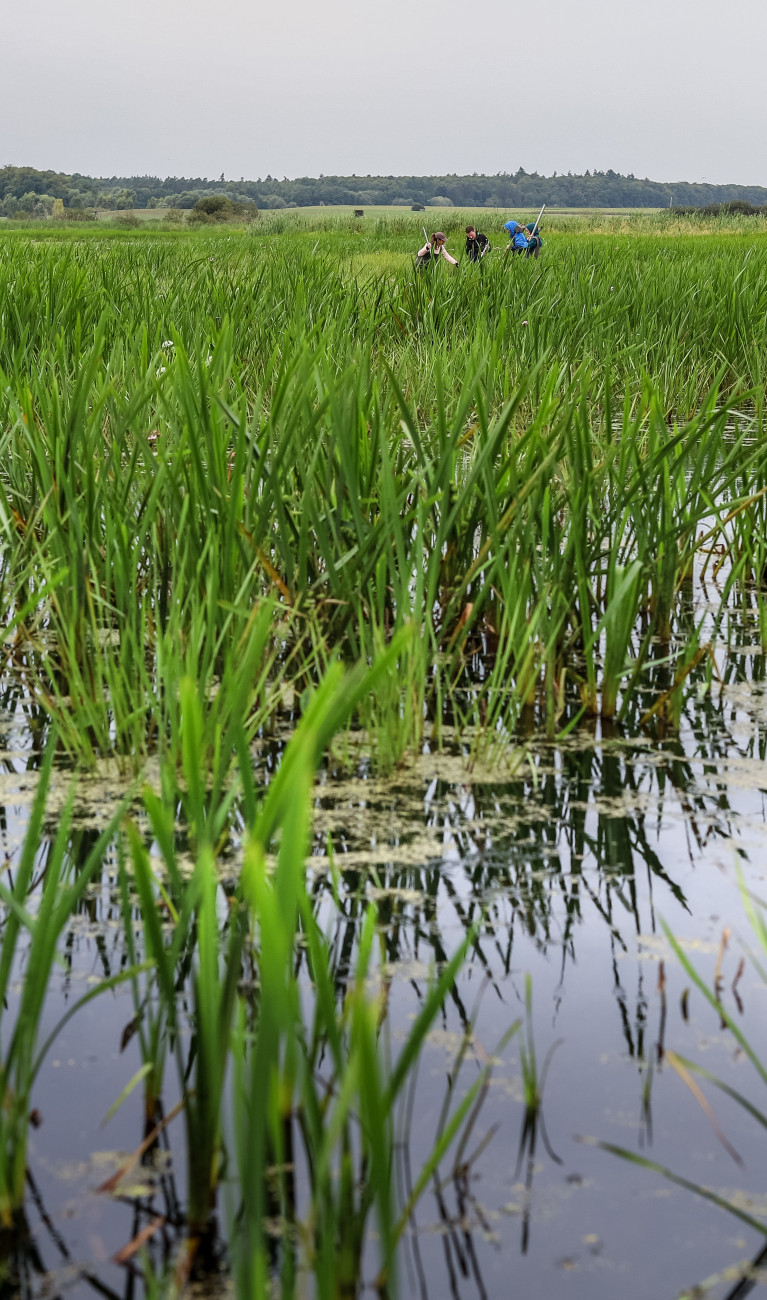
(568, 859)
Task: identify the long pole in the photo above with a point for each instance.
(540, 214)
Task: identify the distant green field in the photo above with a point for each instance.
(382, 222)
(373, 211)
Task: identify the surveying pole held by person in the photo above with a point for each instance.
(534, 241)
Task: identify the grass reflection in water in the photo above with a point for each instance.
(559, 867)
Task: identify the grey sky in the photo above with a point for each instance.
(672, 89)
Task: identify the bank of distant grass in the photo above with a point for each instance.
(382, 221)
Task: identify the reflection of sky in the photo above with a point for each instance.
(576, 869)
(572, 861)
(595, 987)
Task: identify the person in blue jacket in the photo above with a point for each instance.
(518, 241)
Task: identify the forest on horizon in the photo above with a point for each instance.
(23, 189)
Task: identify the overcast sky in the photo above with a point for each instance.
(671, 89)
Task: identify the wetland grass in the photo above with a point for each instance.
(269, 1057)
(38, 903)
(229, 467)
(257, 534)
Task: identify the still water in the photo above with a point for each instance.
(569, 859)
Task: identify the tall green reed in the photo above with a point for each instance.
(37, 904)
(327, 450)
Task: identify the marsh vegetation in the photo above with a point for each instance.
(377, 638)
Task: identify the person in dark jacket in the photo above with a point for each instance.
(534, 241)
(477, 244)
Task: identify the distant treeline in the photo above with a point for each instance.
(24, 189)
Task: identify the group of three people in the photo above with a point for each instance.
(522, 239)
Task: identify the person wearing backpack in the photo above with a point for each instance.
(518, 241)
(534, 241)
(477, 244)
